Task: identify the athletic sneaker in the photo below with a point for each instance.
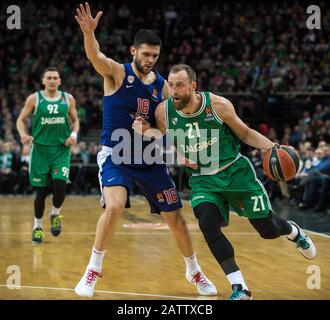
(37, 235)
(55, 225)
(85, 287)
(204, 286)
(240, 294)
(304, 243)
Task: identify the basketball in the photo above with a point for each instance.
(281, 163)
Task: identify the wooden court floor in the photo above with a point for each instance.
(143, 262)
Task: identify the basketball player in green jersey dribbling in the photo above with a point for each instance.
(205, 128)
(52, 110)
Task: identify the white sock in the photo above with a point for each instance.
(293, 233)
(192, 266)
(37, 223)
(96, 259)
(55, 211)
(237, 278)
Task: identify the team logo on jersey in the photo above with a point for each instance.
(160, 197)
(130, 79)
(63, 100)
(154, 95)
(174, 121)
(209, 115)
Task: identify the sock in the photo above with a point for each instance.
(192, 266)
(293, 233)
(237, 278)
(37, 223)
(55, 211)
(96, 259)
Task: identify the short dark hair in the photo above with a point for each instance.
(189, 70)
(50, 69)
(146, 36)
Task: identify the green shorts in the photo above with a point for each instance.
(48, 163)
(237, 186)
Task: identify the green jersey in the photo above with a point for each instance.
(202, 137)
(50, 124)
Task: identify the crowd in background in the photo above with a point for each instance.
(251, 54)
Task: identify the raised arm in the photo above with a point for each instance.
(226, 111)
(27, 110)
(102, 64)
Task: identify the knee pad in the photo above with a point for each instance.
(209, 219)
(39, 201)
(42, 193)
(267, 227)
(59, 185)
(268, 234)
(59, 192)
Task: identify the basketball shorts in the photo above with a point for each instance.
(48, 163)
(236, 186)
(153, 181)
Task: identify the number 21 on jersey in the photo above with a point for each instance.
(258, 203)
(191, 130)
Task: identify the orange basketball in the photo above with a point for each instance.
(281, 163)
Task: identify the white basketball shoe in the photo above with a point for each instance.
(204, 286)
(304, 243)
(85, 287)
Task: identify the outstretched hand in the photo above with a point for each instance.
(85, 20)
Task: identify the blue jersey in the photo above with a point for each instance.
(132, 99)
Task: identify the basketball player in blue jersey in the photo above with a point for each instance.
(132, 90)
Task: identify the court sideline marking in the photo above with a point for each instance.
(108, 292)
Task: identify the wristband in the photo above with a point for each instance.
(73, 135)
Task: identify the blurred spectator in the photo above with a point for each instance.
(264, 129)
(7, 164)
(316, 182)
(249, 58)
(23, 185)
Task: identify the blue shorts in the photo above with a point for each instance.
(154, 182)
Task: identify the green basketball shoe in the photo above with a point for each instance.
(55, 225)
(37, 235)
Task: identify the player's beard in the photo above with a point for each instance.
(182, 103)
(139, 66)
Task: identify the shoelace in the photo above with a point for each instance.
(38, 233)
(56, 221)
(236, 293)
(91, 276)
(200, 278)
(302, 243)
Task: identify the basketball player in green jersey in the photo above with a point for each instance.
(53, 110)
(206, 132)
